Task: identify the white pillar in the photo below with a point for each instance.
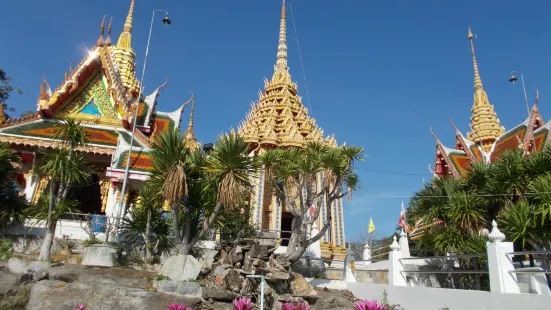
(395, 274)
(500, 264)
(404, 244)
(366, 257)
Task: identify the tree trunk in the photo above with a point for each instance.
(147, 237)
(175, 224)
(186, 239)
(48, 241)
(51, 202)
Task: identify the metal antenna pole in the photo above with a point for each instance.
(134, 121)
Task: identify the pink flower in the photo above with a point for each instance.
(297, 306)
(368, 305)
(81, 307)
(178, 307)
(242, 304)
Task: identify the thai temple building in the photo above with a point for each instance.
(487, 139)
(280, 120)
(101, 92)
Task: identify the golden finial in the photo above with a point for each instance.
(485, 126)
(281, 64)
(477, 80)
(100, 41)
(45, 90)
(108, 39)
(125, 39)
(537, 100)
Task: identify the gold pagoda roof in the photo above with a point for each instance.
(279, 119)
(485, 126)
(189, 136)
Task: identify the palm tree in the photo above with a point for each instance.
(200, 184)
(12, 204)
(294, 171)
(145, 225)
(64, 169)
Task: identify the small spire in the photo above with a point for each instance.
(100, 41)
(189, 135)
(477, 80)
(485, 126)
(109, 28)
(125, 39)
(281, 63)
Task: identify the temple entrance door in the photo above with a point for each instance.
(286, 227)
(88, 196)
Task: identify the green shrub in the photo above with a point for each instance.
(6, 249)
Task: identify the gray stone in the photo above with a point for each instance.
(218, 294)
(7, 282)
(18, 265)
(232, 280)
(187, 289)
(174, 268)
(57, 295)
(258, 251)
(206, 257)
(100, 255)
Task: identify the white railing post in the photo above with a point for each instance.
(404, 244)
(395, 275)
(500, 264)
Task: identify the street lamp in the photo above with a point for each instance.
(513, 79)
(166, 20)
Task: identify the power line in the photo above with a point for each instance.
(300, 57)
(446, 196)
(391, 172)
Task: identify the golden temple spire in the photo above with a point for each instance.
(125, 39)
(100, 41)
(109, 28)
(189, 135)
(124, 55)
(485, 126)
(281, 63)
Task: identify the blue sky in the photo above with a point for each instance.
(379, 73)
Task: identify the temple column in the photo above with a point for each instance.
(39, 188)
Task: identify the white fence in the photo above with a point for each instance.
(510, 285)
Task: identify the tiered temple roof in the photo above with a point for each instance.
(102, 93)
(487, 139)
(279, 119)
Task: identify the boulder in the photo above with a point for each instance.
(100, 255)
(53, 294)
(300, 287)
(187, 289)
(206, 257)
(18, 265)
(174, 268)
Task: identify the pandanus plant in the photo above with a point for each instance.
(297, 306)
(242, 303)
(368, 305)
(178, 307)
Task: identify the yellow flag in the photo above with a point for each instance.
(371, 226)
